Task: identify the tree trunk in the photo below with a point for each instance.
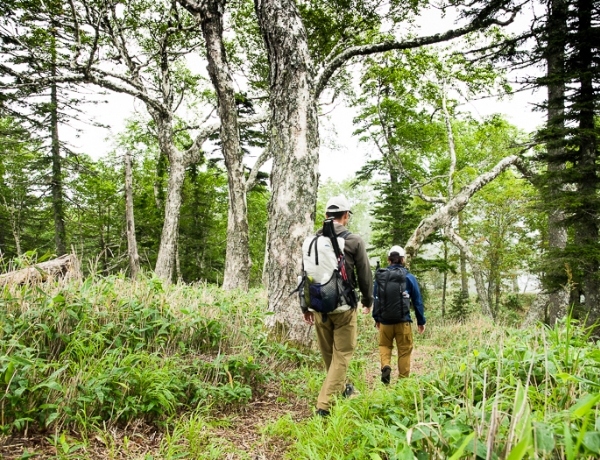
(63, 267)
(237, 259)
(461, 244)
(464, 279)
(14, 225)
(165, 263)
(134, 258)
(57, 183)
(294, 144)
(586, 228)
(555, 57)
(445, 280)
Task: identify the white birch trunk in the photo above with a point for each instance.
(134, 258)
(462, 246)
(294, 144)
(237, 259)
(165, 263)
(451, 148)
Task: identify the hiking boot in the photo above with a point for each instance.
(350, 392)
(386, 373)
(322, 413)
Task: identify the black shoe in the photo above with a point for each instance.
(350, 392)
(386, 373)
(322, 413)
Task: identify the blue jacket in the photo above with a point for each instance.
(412, 287)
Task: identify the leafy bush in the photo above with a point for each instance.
(113, 350)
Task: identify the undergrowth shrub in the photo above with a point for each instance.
(489, 392)
(112, 350)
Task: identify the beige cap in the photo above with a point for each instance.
(338, 204)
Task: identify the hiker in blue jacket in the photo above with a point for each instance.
(392, 313)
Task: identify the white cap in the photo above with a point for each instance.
(398, 249)
(338, 204)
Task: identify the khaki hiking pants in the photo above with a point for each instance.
(402, 333)
(337, 341)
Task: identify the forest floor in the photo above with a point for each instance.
(242, 430)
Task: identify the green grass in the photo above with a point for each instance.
(490, 392)
(112, 351)
(88, 360)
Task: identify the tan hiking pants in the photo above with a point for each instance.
(402, 333)
(337, 341)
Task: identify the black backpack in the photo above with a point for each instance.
(392, 301)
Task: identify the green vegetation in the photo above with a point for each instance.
(86, 359)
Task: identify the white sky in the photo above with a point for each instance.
(341, 153)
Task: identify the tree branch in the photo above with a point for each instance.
(364, 50)
(192, 154)
(261, 160)
(446, 213)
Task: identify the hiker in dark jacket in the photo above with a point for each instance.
(400, 331)
(337, 335)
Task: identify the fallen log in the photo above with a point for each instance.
(62, 267)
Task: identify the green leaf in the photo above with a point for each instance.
(584, 405)
(544, 438)
(8, 374)
(405, 453)
(519, 451)
(462, 447)
(53, 416)
(591, 440)
(568, 442)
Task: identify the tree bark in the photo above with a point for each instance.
(14, 224)
(57, 182)
(446, 213)
(294, 144)
(165, 262)
(237, 259)
(586, 227)
(464, 278)
(134, 258)
(62, 267)
(445, 280)
(461, 244)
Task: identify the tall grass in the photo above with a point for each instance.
(109, 350)
(88, 355)
(490, 393)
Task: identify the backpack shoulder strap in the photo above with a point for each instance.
(344, 235)
(314, 242)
